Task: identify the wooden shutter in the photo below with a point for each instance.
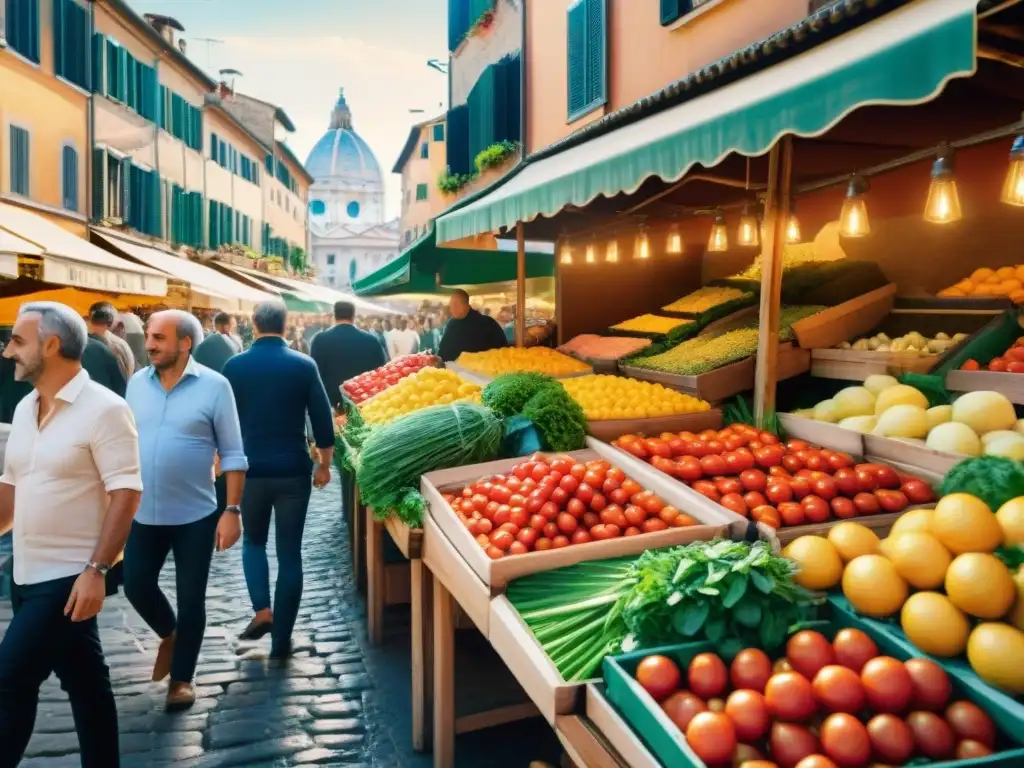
(69, 178)
(508, 99)
(458, 22)
(213, 147)
(674, 9)
(22, 27)
(482, 112)
(126, 184)
(596, 50)
(60, 38)
(99, 83)
(99, 184)
(576, 48)
(20, 161)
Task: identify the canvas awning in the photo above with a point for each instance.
(72, 261)
(295, 300)
(426, 268)
(902, 58)
(320, 293)
(200, 277)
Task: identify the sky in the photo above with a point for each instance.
(298, 53)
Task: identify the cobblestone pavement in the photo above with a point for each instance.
(318, 710)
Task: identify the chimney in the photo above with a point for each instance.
(182, 46)
(164, 26)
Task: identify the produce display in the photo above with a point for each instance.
(549, 502)
(838, 704)
(986, 282)
(751, 473)
(542, 401)
(816, 281)
(939, 572)
(704, 591)
(793, 255)
(613, 397)
(654, 324)
(707, 298)
(603, 347)
(909, 342)
(426, 387)
(495, 362)
(709, 351)
(976, 423)
(366, 385)
(1010, 361)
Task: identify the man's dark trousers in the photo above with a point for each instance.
(41, 640)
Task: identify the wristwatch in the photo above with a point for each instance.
(101, 568)
(233, 508)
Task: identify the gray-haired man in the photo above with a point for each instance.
(70, 488)
(186, 413)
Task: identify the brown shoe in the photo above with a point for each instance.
(180, 696)
(162, 666)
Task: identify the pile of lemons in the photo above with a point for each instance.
(430, 386)
(1005, 281)
(495, 362)
(613, 397)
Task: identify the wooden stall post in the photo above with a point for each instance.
(422, 601)
(520, 285)
(777, 205)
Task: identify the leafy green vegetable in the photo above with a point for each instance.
(559, 418)
(507, 394)
(993, 479)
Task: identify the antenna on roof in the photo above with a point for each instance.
(210, 42)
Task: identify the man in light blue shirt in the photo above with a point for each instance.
(185, 413)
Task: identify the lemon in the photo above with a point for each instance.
(885, 546)
(1016, 614)
(980, 585)
(934, 624)
(873, 586)
(820, 565)
(920, 559)
(994, 651)
(1011, 520)
(853, 540)
(964, 523)
(913, 520)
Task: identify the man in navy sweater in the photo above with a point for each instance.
(345, 351)
(275, 387)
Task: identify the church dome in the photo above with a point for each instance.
(341, 154)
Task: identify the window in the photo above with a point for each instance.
(19, 161)
(180, 119)
(186, 227)
(675, 9)
(424, 150)
(353, 268)
(116, 185)
(438, 133)
(317, 207)
(330, 259)
(213, 147)
(586, 47)
(352, 209)
(71, 41)
(21, 27)
(120, 76)
(69, 178)
(421, 191)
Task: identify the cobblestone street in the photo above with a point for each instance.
(318, 710)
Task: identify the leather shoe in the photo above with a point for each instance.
(256, 629)
(180, 696)
(162, 666)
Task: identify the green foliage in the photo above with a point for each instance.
(297, 259)
(507, 394)
(494, 155)
(993, 479)
(559, 418)
(450, 183)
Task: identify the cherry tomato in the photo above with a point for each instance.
(853, 649)
(527, 537)
(681, 707)
(838, 689)
(750, 669)
(791, 513)
(845, 740)
(580, 536)
(891, 739)
(918, 492)
(887, 684)
(790, 744)
(815, 509)
(566, 523)
(809, 652)
(707, 675)
(930, 684)
(653, 524)
(969, 721)
(790, 696)
(932, 735)
(843, 508)
(585, 493)
(749, 714)
(712, 737)
(560, 541)
(754, 480)
(659, 676)
(779, 493)
(543, 543)
(754, 499)
(713, 465)
(969, 748)
(734, 503)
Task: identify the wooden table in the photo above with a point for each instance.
(387, 583)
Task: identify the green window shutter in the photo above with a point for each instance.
(21, 27)
(424, 150)
(597, 38)
(439, 132)
(458, 22)
(576, 48)
(508, 99)
(482, 112)
(99, 184)
(126, 189)
(20, 161)
(457, 121)
(213, 146)
(213, 224)
(69, 178)
(98, 70)
(60, 39)
(421, 191)
(122, 75)
(673, 9)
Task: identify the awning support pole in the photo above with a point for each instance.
(520, 285)
(780, 166)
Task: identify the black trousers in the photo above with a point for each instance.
(41, 640)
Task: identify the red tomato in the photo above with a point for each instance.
(790, 744)
(728, 485)
(550, 530)
(800, 487)
(653, 524)
(681, 707)
(886, 476)
(500, 494)
(969, 721)
(542, 544)
(838, 689)
(669, 514)
(838, 460)
(484, 526)
(815, 508)
(635, 515)
(502, 539)
(792, 463)
(779, 493)
(569, 484)
(750, 669)
(812, 761)
(749, 714)
(590, 519)
(790, 696)
(887, 684)
(495, 553)
(770, 455)
(931, 685)
(808, 652)
(754, 499)
(932, 735)
(566, 523)
(738, 462)
(843, 507)
(585, 493)
(599, 502)
(825, 487)
(540, 471)
(754, 480)
(918, 491)
(614, 515)
(791, 513)
(659, 676)
(580, 536)
(527, 537)
(853, 649)
(707, 488)
(845, 740)
(549, 510)
(866, 504)
(734, 503)
(969, 748)
(712, 737)
(594, 478)
(846, 482)
(616, 474)
(713, 465)
(688, 470)
(707, 675)
(891, 739)
(560, 541)
(518, 548)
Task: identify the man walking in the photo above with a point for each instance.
(101, 363)
(102, 319)
(186, 414)
(70, 488)
(274, 389)
(345, 351)
(219, 347)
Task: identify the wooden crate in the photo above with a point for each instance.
(611, 429)
(916, 457)
(483, 379)
(820, 433)
(620, 736)
(845, 321)
(495, 574)
(880, 524)
(1009, 384)
(448, 567)
(857, 365)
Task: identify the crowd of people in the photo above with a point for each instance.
(130, 444)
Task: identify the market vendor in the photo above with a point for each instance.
(468, 330)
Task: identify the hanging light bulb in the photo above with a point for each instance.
(642, 246)
(1013, 187)
(792, 225)
(719, 239)
(943, 204)
(590, 254)
(565, 252)
(749, 229)
(853, 220)
(611, 251)
(674, 243)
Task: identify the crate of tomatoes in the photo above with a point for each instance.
(838, 695)
(788, 489)
(366, 385)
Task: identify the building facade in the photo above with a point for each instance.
(349, 234)
(422, 163)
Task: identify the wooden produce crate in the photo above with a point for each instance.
(1009, 384)
(917, 457)
(482, 379)
(857, 365)
(496, 574)
(821, 433)
(611, 429)
(620, 736)
(845, 321)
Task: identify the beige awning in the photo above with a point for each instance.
(320, 293)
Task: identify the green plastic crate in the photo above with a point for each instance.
(668, 744)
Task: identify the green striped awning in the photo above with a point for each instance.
(904, 57)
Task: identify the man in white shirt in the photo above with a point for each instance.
(70, 488)
(402, 340)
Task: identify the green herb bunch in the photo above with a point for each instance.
(559, 418)
(509, 393)
(993, 479)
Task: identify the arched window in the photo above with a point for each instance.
(69, 177)
(353, 209)
(317, 207)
